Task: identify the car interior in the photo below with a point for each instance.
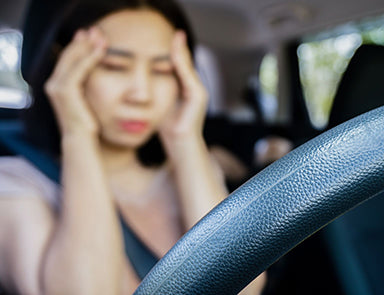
(281, 76)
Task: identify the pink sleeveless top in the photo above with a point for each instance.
(18, 177)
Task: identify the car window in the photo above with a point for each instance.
(14, 91)
(268, 76)
(323, 59)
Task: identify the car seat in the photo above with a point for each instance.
(356, 240)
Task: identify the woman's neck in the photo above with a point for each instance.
(127, 176)
(117, 159)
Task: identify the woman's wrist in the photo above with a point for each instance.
(178, 148)
(80, 136)
(77, 127)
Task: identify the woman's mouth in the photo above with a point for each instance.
(134, 126)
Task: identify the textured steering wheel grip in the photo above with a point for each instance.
(275, 210)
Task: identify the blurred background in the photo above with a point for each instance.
(278, 73)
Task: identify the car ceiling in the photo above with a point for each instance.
(11, 13)
(250, 23)
(233, 25)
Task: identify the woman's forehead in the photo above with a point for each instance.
(137, 25)
(141, 32)
(126, 54)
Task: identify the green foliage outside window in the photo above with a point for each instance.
(323, 62)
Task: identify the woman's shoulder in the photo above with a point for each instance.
(18, 177)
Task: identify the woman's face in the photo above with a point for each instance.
(134, 87)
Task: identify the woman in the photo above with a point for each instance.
(125, 76)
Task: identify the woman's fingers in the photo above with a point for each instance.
(85, 64)
(184, 67)
(84, 51)
(188, 115)
(65, 86)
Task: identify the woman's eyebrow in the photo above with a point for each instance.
(120, 52)
(129, 54)
(165, 57)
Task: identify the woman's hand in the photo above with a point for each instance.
(65, 87)
(199, 185)
(187, 118)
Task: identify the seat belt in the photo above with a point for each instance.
(11, 136)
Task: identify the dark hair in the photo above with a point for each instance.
(44, 36)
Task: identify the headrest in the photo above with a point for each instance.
(361, 87)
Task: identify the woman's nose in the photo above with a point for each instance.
(140, 88)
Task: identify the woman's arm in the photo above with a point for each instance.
(197, 179)
(86, 245)
(26, 223)
(84, 255)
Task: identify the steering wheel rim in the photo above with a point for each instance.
(275, 210)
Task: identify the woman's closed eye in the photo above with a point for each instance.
(163, 69)
(115, 67)
(160, 68)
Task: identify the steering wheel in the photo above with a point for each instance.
(275, 210)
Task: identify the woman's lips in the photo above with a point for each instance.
(134, 126)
